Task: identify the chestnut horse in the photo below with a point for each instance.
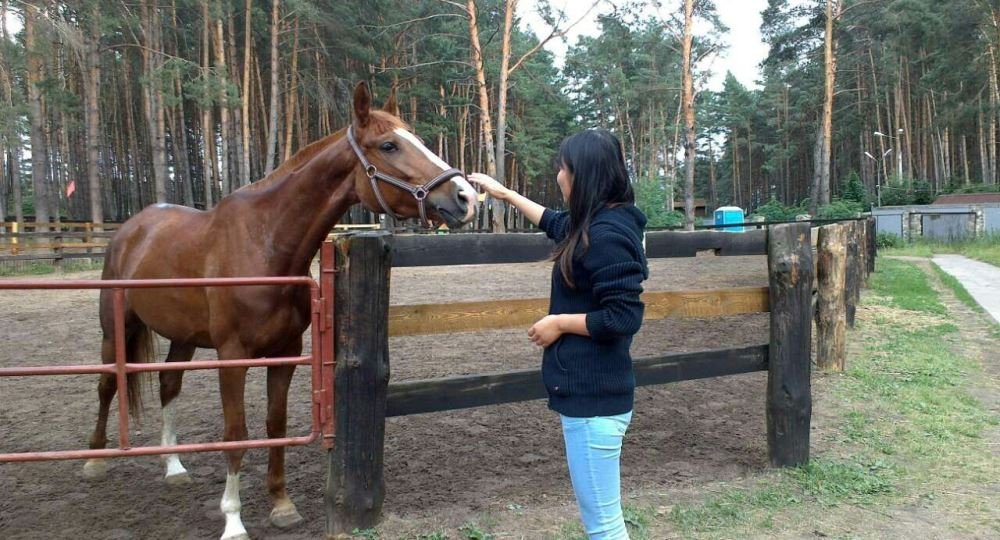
(270, 228)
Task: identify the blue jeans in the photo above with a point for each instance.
(593, 452)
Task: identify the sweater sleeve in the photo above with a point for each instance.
(616, 267)
(554, 224)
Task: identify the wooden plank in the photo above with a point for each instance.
(494, 314)
(485, 248)
(463, 392)
(474, 248)
(51, 256)
(64, 245)
(667, 244)
(789, 395)
(83, 235)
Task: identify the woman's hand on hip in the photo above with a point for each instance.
(546, 331)
(490, 186)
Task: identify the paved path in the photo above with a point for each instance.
(982, 280)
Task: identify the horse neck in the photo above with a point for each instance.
(302, 201)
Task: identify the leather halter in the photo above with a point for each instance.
(419, 192)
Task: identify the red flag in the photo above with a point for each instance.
(70, 187)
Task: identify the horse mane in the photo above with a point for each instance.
(380, 121)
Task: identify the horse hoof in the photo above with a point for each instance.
(285, 517)
(241, 536)
(179, 479)
(95, 469)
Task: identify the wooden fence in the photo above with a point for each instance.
(364, 322)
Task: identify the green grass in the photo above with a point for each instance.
(985, 249)
(905, 286)
(907, 426)
(44, 268)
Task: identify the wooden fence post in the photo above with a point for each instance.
(57, 251)
(872, 244)
(789, 398)
(831, 315)
(355, 487)
(852, 283)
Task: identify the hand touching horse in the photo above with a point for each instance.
(270, 228)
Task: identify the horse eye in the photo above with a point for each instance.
(389, 146)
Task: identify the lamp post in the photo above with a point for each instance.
(878, 184)
(899, 154)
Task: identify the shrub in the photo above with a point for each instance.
(839, 209)
(888, 240)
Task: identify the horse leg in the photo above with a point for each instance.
(170, 387)
(97, 468)
(279, 378)
(232, 382)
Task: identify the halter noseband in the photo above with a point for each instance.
(419, 192)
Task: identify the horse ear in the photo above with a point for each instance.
(391, 106)
(362, 103)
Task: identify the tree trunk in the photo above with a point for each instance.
(291, 104)
(222, 72)
(272, 130)
(236, 172)
(152, 97)
(821, 180)
(91, 85)
(39, 148)
(486, 125)
(501, 154)
(207, 129)
(689, 135)
(245, 177)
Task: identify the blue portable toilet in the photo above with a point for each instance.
(725, 215)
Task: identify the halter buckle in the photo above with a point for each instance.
(420, 193)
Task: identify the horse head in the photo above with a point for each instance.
(397, 174)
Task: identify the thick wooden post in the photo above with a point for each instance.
(831, 314)
(355, 488)
(789, 397)
(852, 284)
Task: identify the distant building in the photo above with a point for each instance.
(967, 198)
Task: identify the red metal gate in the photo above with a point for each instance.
(321, 361)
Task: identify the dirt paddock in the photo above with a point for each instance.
(446, 466)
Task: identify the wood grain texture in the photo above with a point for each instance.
(489, 315)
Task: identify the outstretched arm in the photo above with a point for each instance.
(529, 208)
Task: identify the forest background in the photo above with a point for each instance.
(107, 106)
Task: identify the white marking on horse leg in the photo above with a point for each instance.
(95, 469)
(231, 508)
(175, 472)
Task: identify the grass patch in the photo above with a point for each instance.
(908, 426)
(905, 286)
(32, 268)
(986, 249)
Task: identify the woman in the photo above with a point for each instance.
(594, 312)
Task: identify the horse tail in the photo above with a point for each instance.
(140, 348)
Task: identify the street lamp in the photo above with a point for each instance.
(899, 155)
(878, 184)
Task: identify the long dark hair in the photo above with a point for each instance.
(600, 179)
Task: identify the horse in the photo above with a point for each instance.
(273, 227)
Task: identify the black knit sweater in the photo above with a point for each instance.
(592, 376)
